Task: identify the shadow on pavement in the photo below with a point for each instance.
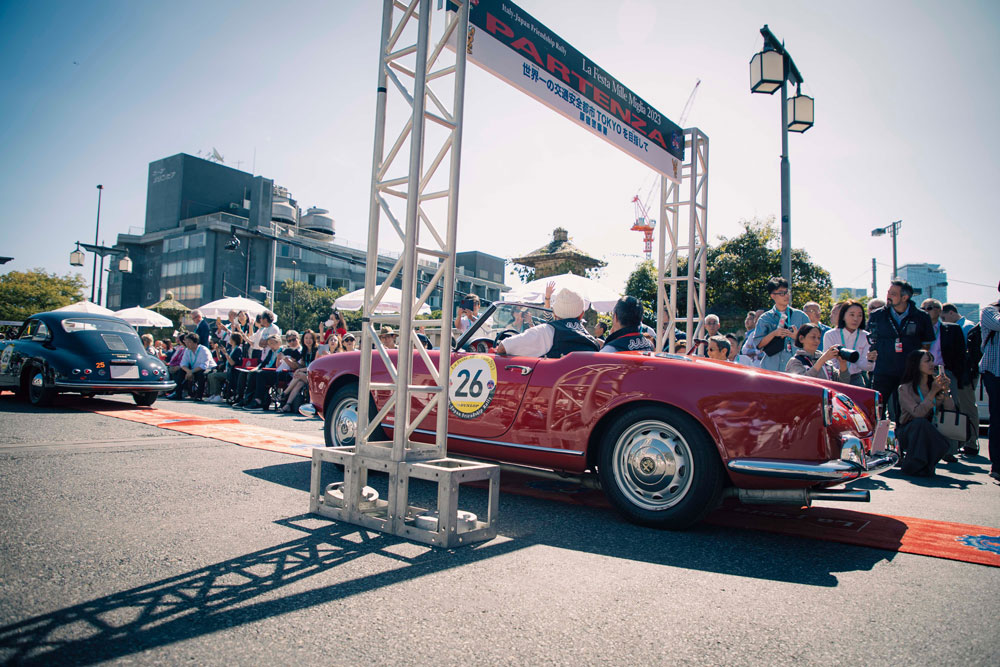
(248, 588)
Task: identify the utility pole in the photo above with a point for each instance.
(874, 282)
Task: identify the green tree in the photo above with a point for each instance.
(304, 306)
(24, 293)
(737, 270)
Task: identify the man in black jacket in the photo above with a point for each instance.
(625, 335)
(898, 329)
(949, 349)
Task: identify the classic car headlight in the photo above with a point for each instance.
(853, 450)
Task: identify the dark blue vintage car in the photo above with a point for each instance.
(82, 353)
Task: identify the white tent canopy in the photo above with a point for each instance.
(594, 294)
(141, 317)
(390, 302)
(86, 307)
(221, 307)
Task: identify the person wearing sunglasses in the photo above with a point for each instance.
(949, 348)
(775, 330)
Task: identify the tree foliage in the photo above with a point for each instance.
(737, 270)
(24, 293)
(303, 306)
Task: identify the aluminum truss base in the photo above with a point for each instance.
(446, 526)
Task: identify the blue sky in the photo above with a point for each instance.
(906, 93)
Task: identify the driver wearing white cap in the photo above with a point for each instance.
(553, 339)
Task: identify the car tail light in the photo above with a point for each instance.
(827, 407)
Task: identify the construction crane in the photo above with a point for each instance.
(643, 222)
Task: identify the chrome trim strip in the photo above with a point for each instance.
(535, 448)
(825, 471)
(162, 386)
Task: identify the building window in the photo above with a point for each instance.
(183, 267)
(484, 274)
(197, 240)
(182, 292)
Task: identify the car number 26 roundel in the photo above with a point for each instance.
(471, 385)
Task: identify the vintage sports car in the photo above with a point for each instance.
(83, 353)
(666, 436)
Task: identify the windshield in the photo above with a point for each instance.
(503, 316)
(77, 325)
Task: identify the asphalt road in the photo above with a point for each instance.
(126, 543)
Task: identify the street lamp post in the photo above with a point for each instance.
(295, 272)
(97, 231)
(893, 230)
(770, 71)
(124, 264)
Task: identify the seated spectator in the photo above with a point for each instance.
(559, 337)
(160, 348)
(812, 311)
(299, 384)
(808, 361)
(233, 354)
(850, 333)
(734, 346)
(718, 348)
(626, 317)
(196, 363)
(174, 364)
(147, 343)
(258, 381)
(388, 337)
(221, 332)
(266, 329)
(921, 394)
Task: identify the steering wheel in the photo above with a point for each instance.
(504, 335)
(483, 345)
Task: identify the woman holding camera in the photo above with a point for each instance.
(829, 366)
(923, 390)
(850, 334)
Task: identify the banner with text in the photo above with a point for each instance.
(509, 43)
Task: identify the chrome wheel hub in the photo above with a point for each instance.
(345, 422)
(652, 465)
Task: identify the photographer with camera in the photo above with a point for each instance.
(850, 333)
(776, 328)
(831, 365)
(468, 312)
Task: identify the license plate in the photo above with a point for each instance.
(125, 372)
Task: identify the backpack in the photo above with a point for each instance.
(974, 348)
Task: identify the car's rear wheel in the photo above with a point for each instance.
(145, 398)
(38, 393)
(341, 422)
(659, 468)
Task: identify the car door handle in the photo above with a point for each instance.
(525, 370)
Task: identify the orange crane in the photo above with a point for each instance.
(643, 224)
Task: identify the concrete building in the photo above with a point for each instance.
(194, 208)
(841, 293)
(929, 281)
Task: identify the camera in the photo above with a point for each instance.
(848, 355)
(467, 304)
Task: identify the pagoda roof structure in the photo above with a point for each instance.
(559, 256)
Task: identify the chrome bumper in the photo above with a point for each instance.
(853, 464)
(116, 386)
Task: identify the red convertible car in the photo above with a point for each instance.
(666, 436)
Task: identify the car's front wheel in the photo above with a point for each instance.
(38, 393)
(340, 424)
(659, 468)
(145, 399)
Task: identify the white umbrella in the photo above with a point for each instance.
(221, 307)
(390, 302)
(594, 294)
(86, 307)
(141, 317)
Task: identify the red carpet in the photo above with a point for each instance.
(941, 539)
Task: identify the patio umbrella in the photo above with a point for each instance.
(86, 307)
(221, 307)
(390, 302)
(594, 294)
(142, 317)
